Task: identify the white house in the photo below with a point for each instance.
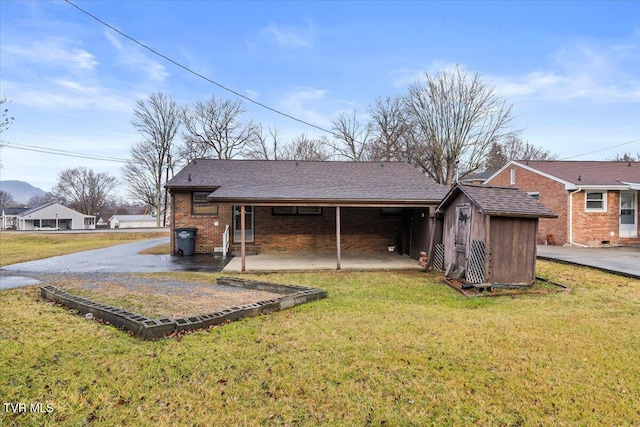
(132, 221)
(9, 219)
(54, 216)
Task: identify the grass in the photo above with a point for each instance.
(162, 249)
(18, 247)
(386, 348)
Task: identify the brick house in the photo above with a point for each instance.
(596, 202)
(304, 206)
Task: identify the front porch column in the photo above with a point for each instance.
(243, 248)
(338, 237)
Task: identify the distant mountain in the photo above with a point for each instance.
(20, 190)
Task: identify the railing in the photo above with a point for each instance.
(225, 241)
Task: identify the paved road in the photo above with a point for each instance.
(115, 259)
(624, 260)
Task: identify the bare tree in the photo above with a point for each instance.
(351, 137)
(84, 190)
(43, 200)
(390, 134)
(215, 129)
(5, 119)
(514, 148)
(6, 200)
(626, 157)
(158, 120)
(264, 147)
(304, 148)
(456, 118)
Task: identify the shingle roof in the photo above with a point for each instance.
(500, 201)
(308, 181)
(589, 172)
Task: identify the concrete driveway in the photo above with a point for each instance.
(114, 259)
(621, 260)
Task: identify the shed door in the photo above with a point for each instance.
(463, 231)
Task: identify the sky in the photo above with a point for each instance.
(570, 70)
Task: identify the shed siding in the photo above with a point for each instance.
(449, 231)
(552, 194)
(513, 250)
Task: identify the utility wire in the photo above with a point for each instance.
(602, 149)
(195, 73)
(52, 151)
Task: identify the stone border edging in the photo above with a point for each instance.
(148, 328)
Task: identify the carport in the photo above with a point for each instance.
(259, 207)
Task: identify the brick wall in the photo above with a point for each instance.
(599, 228)
(362, 229)
(209, 234)
(552, 195)
(589, 228)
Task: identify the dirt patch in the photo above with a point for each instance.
(165, 299)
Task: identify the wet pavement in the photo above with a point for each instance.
(619, 260)
(115, 259)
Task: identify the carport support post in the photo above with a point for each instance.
(338, 236)
(243, 248)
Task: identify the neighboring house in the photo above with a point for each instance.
(477, 177)
(305, 205)
(489, 234)
(9, 219)
(596, 202)
(54, 216)
(132, 221)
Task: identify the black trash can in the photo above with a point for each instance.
(186, 241)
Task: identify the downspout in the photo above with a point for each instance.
(571, 218)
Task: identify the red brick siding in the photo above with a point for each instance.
(594, 228)
(209, 235)
(362, 229)
(589, 228)
(552, 195)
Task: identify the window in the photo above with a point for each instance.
(534, 194)
(512, 176)
(200, 205)
(296, 210)
(595, 201)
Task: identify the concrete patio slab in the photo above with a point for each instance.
(304, 261)
(618, 260)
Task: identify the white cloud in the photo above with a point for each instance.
(595, 72)
(297, 104)
(290, 36)
(135, 58)
(252, 93)
(54, 51)
(59, 93)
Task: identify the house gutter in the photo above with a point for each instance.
(571, 242)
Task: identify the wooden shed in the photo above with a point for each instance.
(489, 234)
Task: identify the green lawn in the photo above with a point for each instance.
(386, 348)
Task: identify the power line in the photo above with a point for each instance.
(55, 152)
(195, 73)
(602, 149)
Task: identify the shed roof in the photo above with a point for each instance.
(288, 181)
(500, 201)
